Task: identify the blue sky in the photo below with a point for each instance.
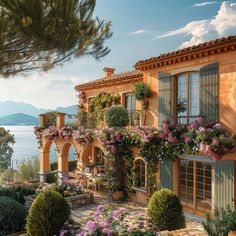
(141, 29)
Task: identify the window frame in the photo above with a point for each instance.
(175, 95)
(140, 188)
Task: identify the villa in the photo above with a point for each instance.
(198, 81)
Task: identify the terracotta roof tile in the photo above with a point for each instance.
(111, 79)
(193, 48)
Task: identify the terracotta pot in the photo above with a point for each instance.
(117, 195)
(232, 233)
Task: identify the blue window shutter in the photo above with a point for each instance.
(164, 96)
(209, 92)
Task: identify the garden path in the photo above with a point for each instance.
(80, 215)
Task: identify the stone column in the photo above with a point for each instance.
(44, 165)
(62, 167)
(60, 120)
(42, 119)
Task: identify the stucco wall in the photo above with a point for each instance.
(227, 83)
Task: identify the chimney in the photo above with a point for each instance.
(108, 71)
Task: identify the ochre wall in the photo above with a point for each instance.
(151, 118)
(227, 83)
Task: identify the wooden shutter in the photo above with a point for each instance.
(164, 96)
(209, 92)
(166, 170)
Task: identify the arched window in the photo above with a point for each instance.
(139, 173)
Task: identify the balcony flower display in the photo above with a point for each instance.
(50, 133)
(83, 136)
(214, 141)
(66, 132)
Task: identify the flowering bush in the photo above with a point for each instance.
(106, 222)
(50, 133)
(66, 132)
(81, 95)
(66, 188)
(215, 141)
(83, 136)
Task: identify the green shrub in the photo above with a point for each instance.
(141, 91)
(18, 193)
(12, 217)
(47, 214)
(165, 210)
(117, 116)
(221, 222)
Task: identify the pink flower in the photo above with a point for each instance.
(217, 156)
(165, 128)
(100, 209)
(215, 142)
(187, 140)
(201, 129)
(113, 149)
(217, 126)
(208, 149)
(116, 214)
(172, 139)
(163, 135)
(118, 136)
(200, 120)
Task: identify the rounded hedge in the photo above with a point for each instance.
(12, 216)
(117, 116)
(165, 211)
(47, 214)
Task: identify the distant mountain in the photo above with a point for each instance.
(19, 119)
(11, 107)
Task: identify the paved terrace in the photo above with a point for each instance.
(80, 215)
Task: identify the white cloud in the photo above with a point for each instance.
(203, 4)
(44, 90)
(220, 25)
(141, 31)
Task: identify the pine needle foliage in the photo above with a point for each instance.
(38, 34)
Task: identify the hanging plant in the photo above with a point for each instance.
(50, 133)
(83, 136)
(142, 92)
(66, 132)
(100, 102)
(38, 130)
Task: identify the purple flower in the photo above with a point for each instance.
(100, 209)
(217, 126)
(116, 214)
(106, 222)
(92, 225)
(130, 229)
(141, 223)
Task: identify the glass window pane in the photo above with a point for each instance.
(194, 103)
(182, 98)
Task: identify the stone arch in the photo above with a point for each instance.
(88, 151)
(63, 156)
(45, 156)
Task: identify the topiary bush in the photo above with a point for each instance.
(12, 216)
(117, 116)
(47, 214)
(165, 211)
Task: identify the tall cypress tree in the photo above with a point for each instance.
(38, 34)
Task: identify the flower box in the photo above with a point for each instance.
(73, 201)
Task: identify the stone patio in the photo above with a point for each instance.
(80, 215)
